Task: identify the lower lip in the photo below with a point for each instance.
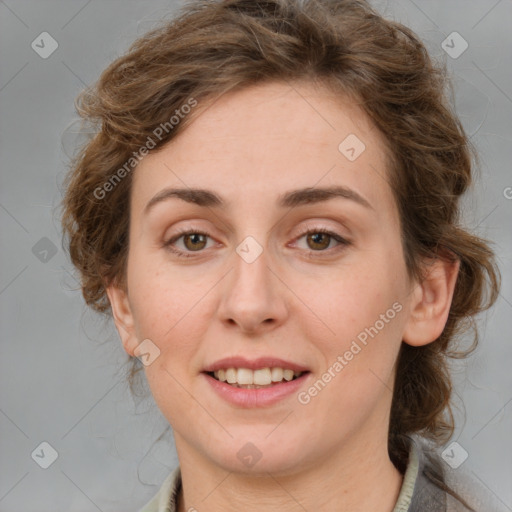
(262, 397)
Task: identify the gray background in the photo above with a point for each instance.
(62, 367)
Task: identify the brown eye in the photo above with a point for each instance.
(187, 242)
(194, 241)
(319, 241)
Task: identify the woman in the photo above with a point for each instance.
(269, 211)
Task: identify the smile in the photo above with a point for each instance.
(255, 379)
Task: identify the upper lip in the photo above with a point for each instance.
(254, 364)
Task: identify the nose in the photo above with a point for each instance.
(253, 296)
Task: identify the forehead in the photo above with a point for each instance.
(259, 142)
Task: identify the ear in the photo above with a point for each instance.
(432, 299)
(123, 317)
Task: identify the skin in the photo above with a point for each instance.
(250, 147)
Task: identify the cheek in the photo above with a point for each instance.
(158, 296)
(355, 297)
(358, 352)
(362, 314)
(173, 312)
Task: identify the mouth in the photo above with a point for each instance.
(255, 383)
(260, 378)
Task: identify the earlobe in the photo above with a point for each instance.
(123, 317)
(430, 306)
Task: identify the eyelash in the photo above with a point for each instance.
(311, 254)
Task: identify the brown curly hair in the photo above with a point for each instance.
(214, 47)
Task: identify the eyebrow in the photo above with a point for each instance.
(294, 198)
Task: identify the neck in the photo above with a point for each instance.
(356, 478)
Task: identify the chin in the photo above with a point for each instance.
(275, 465)
(257, 456)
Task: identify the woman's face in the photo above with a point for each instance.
(259, 286)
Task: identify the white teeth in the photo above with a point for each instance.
(277, 374)
(262, 377)
(288, 374)
(244, 377)
(230, 375)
